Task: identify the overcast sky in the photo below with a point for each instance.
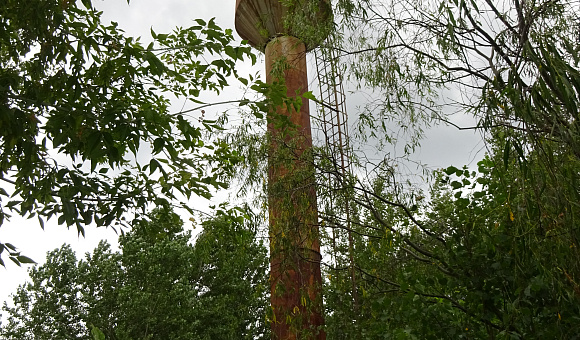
(444, 145)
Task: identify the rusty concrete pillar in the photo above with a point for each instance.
(284, 31)
(295, 276)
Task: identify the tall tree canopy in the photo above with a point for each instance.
(79, 100)
(487, 252)
(158, 286)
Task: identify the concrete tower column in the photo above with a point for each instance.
(295, 278)
(295, 249)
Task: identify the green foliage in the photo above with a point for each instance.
(159, 286)
(54, 311)
(79, 100)
(309, 20)
(490, 259)
(491, 253)
(234, 269)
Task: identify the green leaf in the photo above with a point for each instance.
(97, 333)
(158, 145)
(231, 52)
(450, 170)
(309, 95)
(456, 185)
(153, 165)
(478, 194)
(15, 260)
(12, 204)
(25, 259)
(506, 153)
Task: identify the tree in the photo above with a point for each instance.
(79, 100)
(234, 280)
(515, 62)
(488, 254)
(158, 286)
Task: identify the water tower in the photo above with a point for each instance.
(285, 30)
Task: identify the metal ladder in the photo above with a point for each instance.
(334, 124)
